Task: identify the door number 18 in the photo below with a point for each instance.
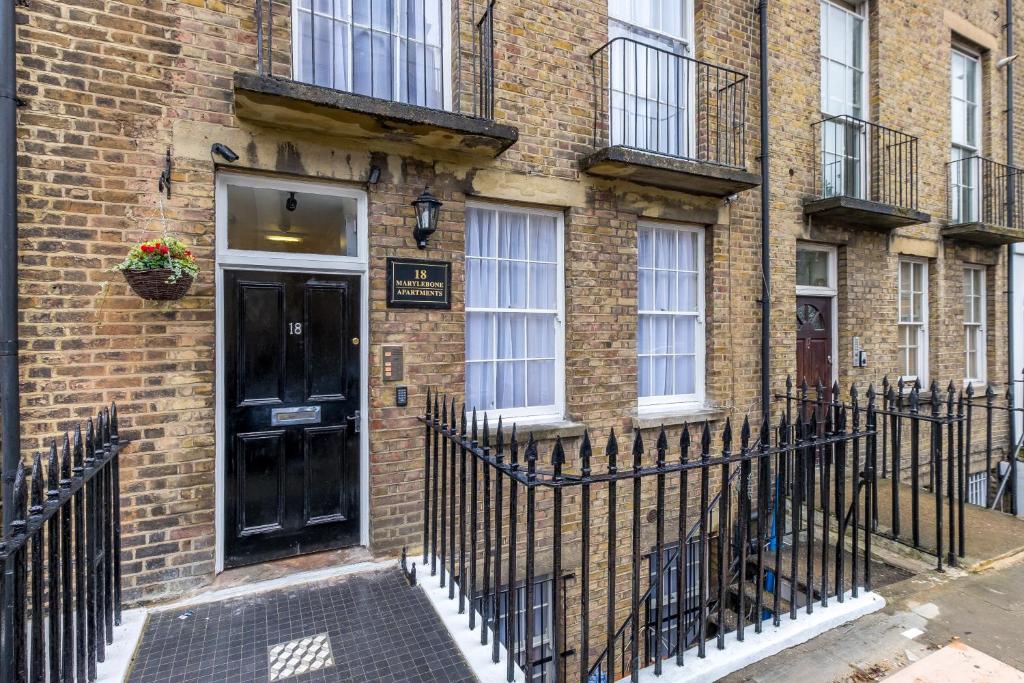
(295, 329)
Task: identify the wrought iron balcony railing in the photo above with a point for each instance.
(984, 191)
(412, 53)
(864, 160)
(658, 101)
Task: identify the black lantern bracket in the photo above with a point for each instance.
(427, 207)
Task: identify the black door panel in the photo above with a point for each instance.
(292, 395)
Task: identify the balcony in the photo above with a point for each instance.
(664, 119)
(372, 75)
(985, 202)
(867, 176)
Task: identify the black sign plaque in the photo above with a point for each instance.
(415, 283)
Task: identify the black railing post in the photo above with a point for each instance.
(115, 474)
(474, 530)
(53, 564)
(81, 619)
(744, 530)
(462, 514)
(763, 478)
(485, 590)
(841, 503)
(584, 658)
(531, 521)
(426, 472)
(433, 423)
(781, 458)
(511, 622)
(797, 495)
(499, 470)
(16, 634)
(634, 660)
(723, 530)
(659, 550)
(871, 461)
(557, 593)
(67, 602)
(895, 460)
(857, 477)
(951, 474)
(682, 549)
(92, 623)
(915, 503)
(611, 451)
(442, 434)
(450, 437)
(936, 467)
(809, 456)
(702, 624)
(35, 513)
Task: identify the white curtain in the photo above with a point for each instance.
(391, 49)
(511, 309)
(669, 303)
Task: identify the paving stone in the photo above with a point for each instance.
(371, 627)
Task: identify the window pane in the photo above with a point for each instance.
(480, 386)
(511, 235)
(479, 336)
(686, 334)
(259, 220)
(541, 382)
(686, 375)
(645, 248)
(543, 286)
(540, 336)
(510, 385)
(543, 239)
(812, 266)
(511, 335)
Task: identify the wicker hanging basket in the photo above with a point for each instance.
(154, 285)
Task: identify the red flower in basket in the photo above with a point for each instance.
(160, 269)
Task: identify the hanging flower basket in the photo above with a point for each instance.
(159, 270)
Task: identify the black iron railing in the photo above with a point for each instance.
(61, 561)
(654, 100)
(985, 191)
(864, 160)
(366, 47)
(780, 524)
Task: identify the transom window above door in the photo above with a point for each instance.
(390, 49)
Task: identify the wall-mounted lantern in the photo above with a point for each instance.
(427, 207)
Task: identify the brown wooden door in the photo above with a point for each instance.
(814, 340)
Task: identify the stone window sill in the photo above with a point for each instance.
(673, 417)
(545, 430)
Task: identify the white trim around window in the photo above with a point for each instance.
(515, 312)
(671, 331)
(912, 320)
(975, 327)
(407, 50)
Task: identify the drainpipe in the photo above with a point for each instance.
(766, 289)
(1010, 337)
(9, 399)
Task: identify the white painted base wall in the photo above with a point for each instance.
(715, 665)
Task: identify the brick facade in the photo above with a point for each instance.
(110, 85)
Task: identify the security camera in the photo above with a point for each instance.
(224, 152)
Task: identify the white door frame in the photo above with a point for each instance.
(831, 292)
(235, 259)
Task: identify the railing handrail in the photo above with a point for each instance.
(740, 76)
(867, 124)
(988, 160)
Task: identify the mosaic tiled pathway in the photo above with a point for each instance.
(361, 628)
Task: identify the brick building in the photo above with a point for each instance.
(597, 165)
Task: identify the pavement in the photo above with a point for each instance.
(363, 627)
(983, 610)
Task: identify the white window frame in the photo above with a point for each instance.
(535, 414)
(977, 328)
(963, 149)
(240, 259)
(624, 27)
(977, 489)
(658, 404)
(831, 291)
(857, 10)
(445, 31)
(922, 346)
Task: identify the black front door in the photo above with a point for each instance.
(292, 396)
